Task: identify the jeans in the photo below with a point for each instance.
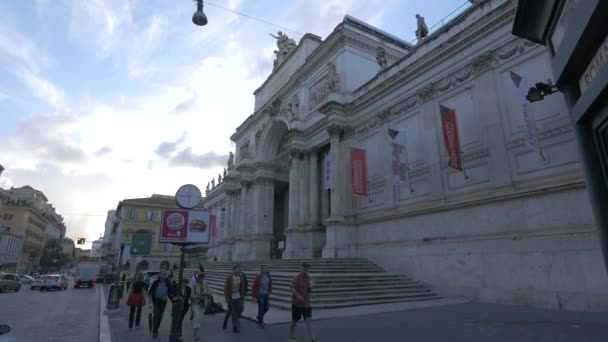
(235, 309)
(198, 311)
(159, 309)
(137, 318)
(263, 305)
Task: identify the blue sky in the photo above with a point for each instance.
(90, 89)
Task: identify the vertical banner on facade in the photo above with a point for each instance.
(521, 83)
(398, 156)
(212, 223)
(358, 172)
(327, 181)
(450, 136)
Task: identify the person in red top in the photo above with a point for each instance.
(301, 286)
(261, 291)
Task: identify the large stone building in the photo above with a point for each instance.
(493, 210)
(28, 214)
(142, 217)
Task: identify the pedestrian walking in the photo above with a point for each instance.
(187, 291)
(159, 292)
(136, 300)
(235, 291)
(261, 291)
(301, 286)
(147, 281)
(200, 295)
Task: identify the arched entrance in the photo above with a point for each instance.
(273, 152)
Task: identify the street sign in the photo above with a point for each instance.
(185, 226)
(81, 241)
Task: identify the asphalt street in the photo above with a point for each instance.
(35, 316)
(457, 322)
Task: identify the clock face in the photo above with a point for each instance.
(188, 196)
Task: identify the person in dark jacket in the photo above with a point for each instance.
(159, 292)
(261, 291)
(235, 291)
(136, 300)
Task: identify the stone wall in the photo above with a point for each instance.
(540, 250)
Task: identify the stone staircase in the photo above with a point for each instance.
(339, 283)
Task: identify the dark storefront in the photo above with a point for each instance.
(576, 31)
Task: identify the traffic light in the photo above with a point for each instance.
(81, 241)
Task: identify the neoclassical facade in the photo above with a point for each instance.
(513, 226)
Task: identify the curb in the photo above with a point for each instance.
(104, 324)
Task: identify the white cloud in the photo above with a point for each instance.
(42, 88)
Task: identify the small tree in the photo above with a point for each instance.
(53, 258)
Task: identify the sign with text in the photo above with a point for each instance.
(358, 175)
(185, 226)
(450, 137)
(598, 61)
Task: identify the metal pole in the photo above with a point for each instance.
(177, 306)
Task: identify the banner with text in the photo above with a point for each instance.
(522, 86)
(398, 156)
(450, 137)
(358, 172)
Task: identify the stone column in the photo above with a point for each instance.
(335, 132)
(291, 240)
(242, 245)
(263, 204)
(294, 177)
(303, 192)
(314, 205)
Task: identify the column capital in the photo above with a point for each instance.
(245, 183)
(295, 153)
(334, 130)
(267, 181)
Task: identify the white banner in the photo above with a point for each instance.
(327, 181)
(398, 156)
(522, 86)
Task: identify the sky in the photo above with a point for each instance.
(103, 100)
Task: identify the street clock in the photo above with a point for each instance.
(188, 196)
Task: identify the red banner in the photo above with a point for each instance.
(174, 226)
(358, 172)
(212, 224)
(450, 136)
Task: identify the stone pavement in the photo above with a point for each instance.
(453, 322)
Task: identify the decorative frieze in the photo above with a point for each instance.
(264, 181)
(483, 63)
(426, 93)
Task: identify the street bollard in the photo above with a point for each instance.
(113, 297)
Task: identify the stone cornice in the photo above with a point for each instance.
(482, 63)
(500, 16)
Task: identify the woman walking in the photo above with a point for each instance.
(136, 300)
(199, 297)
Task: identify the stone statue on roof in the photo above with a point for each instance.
(422, 31)
(219, 178)
(230, 160)
(285, 45)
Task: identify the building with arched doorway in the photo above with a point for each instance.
(483, 198)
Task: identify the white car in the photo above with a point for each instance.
(25, 279)
(54, 282)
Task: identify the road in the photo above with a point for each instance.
(457, 322)
(35, 316)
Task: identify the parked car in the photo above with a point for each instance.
(9, 282)
(54, 282)
(25, 279)
(36, 282)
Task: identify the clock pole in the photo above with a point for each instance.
(186, 191)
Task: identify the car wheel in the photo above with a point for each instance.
(18, 288)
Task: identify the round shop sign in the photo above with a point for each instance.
(176, 221)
